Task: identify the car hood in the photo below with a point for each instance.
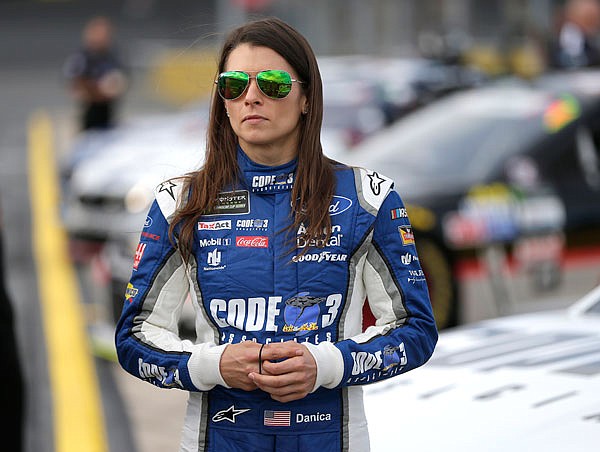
(144, 155)
(526, 383)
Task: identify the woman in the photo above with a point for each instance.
(277, 247)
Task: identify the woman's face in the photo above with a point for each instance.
(267, 128)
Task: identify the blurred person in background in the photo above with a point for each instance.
(277, 246)
(97, 79)
(576, 44)
(11, 390)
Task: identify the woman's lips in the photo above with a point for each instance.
(254, 119)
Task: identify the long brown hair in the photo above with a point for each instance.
(314, 181)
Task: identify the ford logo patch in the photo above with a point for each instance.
(339, 204)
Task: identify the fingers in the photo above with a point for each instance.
(237, 361)
(281, 350)
(289, 371)
(282, 388)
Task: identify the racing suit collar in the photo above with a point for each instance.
(266, 179)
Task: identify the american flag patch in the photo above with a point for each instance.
(277, 418)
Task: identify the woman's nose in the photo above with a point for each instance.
(253, 93)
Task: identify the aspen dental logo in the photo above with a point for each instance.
(335, 238)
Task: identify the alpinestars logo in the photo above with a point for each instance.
(168, 186)
(375, 182)
(229, 414)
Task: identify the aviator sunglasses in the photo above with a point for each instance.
(272, 83)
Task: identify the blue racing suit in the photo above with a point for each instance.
(245, 284)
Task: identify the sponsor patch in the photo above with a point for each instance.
(400, 212)
(302, 314)
(323, 256)
(203, 243)
(168, 378)
(139, 253)
(251, 224)
(232, 203)
(407, 235)
(148, 222)
(213, 260)
(214, 225)
(277, 418)
(408, 258)
(252, 241)
(339, 204)
(334, 240)
(130, 292)
(270, 182)
(150, 236)
(382, 360)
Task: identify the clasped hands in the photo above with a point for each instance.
(288, 370)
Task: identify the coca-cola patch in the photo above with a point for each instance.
(252, 241)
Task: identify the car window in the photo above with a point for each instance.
(594, 309)
(588, 156)
(455, 139)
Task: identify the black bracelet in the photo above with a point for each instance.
(260, 359)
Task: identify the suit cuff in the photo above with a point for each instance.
(330, 364)
(203, 366)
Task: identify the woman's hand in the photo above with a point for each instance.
(289, 371)
(237, 362)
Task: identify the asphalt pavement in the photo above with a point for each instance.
(136, 416)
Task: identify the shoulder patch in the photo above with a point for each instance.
(372, 188)
(168, 195)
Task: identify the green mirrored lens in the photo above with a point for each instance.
(275, 84)
(232, 84)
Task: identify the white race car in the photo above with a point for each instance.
(519, 383)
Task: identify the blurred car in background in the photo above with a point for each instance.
(108, 181)
(526, 382)
(108, 178)
(363, 94)
(502, 185)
